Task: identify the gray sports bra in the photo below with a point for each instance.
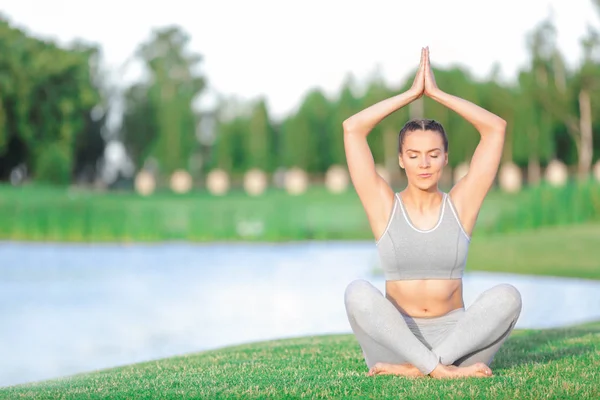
(407, 252)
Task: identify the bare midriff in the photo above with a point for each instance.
(425, 298)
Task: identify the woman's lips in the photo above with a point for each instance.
(424, 175)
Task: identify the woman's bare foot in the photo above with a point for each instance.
(479, 370)
(407, 370)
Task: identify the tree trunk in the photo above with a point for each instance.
(507, 150)
(390, 153)
(390, 148)
(416, 109)
(586, 138)
(559, 75)
(534, 171)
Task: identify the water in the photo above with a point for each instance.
(66, 309)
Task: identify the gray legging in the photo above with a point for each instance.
(460, 337)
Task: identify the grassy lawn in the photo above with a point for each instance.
(572, 251)
(532, 364)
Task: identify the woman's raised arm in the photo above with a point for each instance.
(468, 194)
(375, 194)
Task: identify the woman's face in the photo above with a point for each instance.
(423, 158)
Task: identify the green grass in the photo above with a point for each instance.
(54, 214)
(570, 251)
(533, 364)
(35, 213)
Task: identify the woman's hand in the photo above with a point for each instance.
(430, 86)
(364, 121)
(418, 87)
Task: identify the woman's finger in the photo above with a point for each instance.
(427, 57)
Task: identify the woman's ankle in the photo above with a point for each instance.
(439, 370)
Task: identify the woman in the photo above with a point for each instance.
(420, 327)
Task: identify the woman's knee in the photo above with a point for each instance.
(359, 294)
(507, 295)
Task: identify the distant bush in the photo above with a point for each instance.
(54, 165)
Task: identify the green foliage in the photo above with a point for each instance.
(346, 105)
(323, 138)
(159, 120)
(541, 108)
(534, 138)
(376, 92)
(138, 130)
(305, 135)
(46, 96)
(3, 129)
(229, 145)
(500, 100)
(259, 143)
(53, 165)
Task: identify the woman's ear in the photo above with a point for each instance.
(400, 161)
(446, 156)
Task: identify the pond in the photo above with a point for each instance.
(66, 309)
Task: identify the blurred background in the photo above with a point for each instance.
(173, 178)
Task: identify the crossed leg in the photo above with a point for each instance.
(482, 330)
(388, 344)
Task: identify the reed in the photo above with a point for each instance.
(39, 213)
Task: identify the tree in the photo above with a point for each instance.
(317, 110)
(298, 143)
(344, 107)
(229, 145)
(376, 92)
(46, 96)
(166, 100)
(90, 143)
(260, 139)
(565, 96)
(532, 140)
(306, 141)
(139, 129)
(383, 140)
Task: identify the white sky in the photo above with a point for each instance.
(281, 49)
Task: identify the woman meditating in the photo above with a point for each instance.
(421, 327)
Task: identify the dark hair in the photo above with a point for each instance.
(422, 125)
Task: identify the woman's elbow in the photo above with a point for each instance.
(348, 125)
(501, 124)
(497, 126)
(351, 125)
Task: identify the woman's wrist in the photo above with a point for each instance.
(435, 94)
(412, 95)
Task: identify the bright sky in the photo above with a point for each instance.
(281, 49)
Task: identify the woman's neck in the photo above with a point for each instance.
(422, 199)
